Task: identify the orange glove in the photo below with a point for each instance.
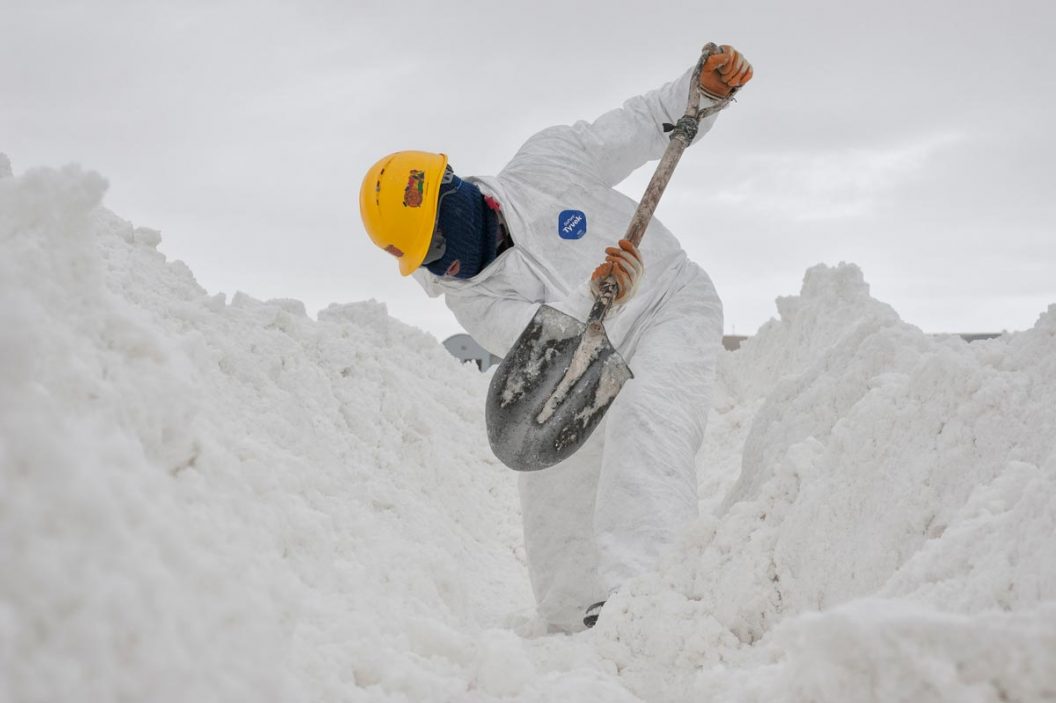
(723, 72)
(624, 263)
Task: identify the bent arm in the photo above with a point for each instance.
(608, 149)
(496, 323)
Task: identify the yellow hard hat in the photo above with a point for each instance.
(398, 203)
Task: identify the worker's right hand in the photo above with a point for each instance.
(724, 71)
(624, 263)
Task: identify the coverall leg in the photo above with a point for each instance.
(647, 489)
(603, 515)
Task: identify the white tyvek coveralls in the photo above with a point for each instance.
(603, 515)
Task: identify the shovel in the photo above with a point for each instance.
(561, 375)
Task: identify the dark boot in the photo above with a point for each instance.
(591, 617)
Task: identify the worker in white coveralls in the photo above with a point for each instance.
(496, 247)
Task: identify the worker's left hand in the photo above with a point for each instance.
(723, 72)
(624, 263)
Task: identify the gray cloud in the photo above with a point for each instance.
(911, 138)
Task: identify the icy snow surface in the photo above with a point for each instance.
(225, 500)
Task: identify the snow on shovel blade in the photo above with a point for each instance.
(551, 390)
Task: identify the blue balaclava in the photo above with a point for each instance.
(469, 227)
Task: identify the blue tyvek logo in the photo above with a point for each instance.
(571, 224)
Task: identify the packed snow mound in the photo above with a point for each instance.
(227, 500)
(203, 500)
(894, 512)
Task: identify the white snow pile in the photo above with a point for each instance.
(225, 500)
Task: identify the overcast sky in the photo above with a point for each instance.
(912, 138)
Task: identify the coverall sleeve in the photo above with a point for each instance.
(496, 323)
(608, 149)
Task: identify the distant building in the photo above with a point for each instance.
(466, 348)
(732, 342)
(979, 336)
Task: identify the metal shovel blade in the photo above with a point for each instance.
(551, 390)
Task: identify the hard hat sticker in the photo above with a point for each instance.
(412, 194)
(571, 224)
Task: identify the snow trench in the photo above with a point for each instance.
(218, 499)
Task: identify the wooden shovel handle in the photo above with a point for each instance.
(685, 130)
